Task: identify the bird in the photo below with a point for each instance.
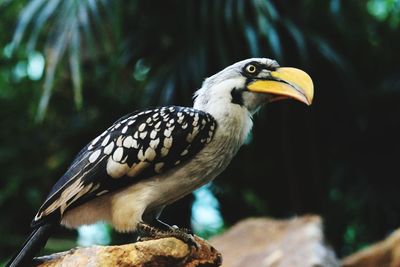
(148, 159)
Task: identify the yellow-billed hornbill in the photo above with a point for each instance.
(151, 158)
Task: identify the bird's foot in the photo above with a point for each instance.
(148, 232)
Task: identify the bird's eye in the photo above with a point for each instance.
(251, 69)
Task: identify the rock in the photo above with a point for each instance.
(276, 243)
(383, 254)
(152, 253)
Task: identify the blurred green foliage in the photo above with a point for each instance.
(107, 58)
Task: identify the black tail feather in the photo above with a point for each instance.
(35, 242)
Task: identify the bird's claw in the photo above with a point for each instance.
(186, 236)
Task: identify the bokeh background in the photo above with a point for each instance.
(69, 68)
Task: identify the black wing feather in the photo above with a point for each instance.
(140, 145)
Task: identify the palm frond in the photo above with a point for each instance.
(25, 19)
(68, 25)
(298, 37)
(214, 32)
(329, 53)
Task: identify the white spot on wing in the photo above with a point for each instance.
(184, 152)
(142, 126)
(135, 143)
(105, 141)
(108, 149)
(94, 156)
(168, 142)
(167, 132)
(128, 141)
(117, 155)
(95, 140)
(116, 169)
(140, 155)
(124, 130)
(150, 154)
(158, 167)
(143, 135)
(153, 134)
(104, 133)
(119, 140)
(154, 143)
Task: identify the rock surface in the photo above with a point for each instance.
(276, 243)
(152, 253)
(383, 254)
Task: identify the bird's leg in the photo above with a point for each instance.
(148, 232)
(164, 226)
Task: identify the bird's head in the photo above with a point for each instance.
(251, 83)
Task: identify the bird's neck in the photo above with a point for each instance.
(234, 122)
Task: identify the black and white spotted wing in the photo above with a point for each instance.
(138, 146)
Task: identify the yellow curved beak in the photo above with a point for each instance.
(286, 83)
